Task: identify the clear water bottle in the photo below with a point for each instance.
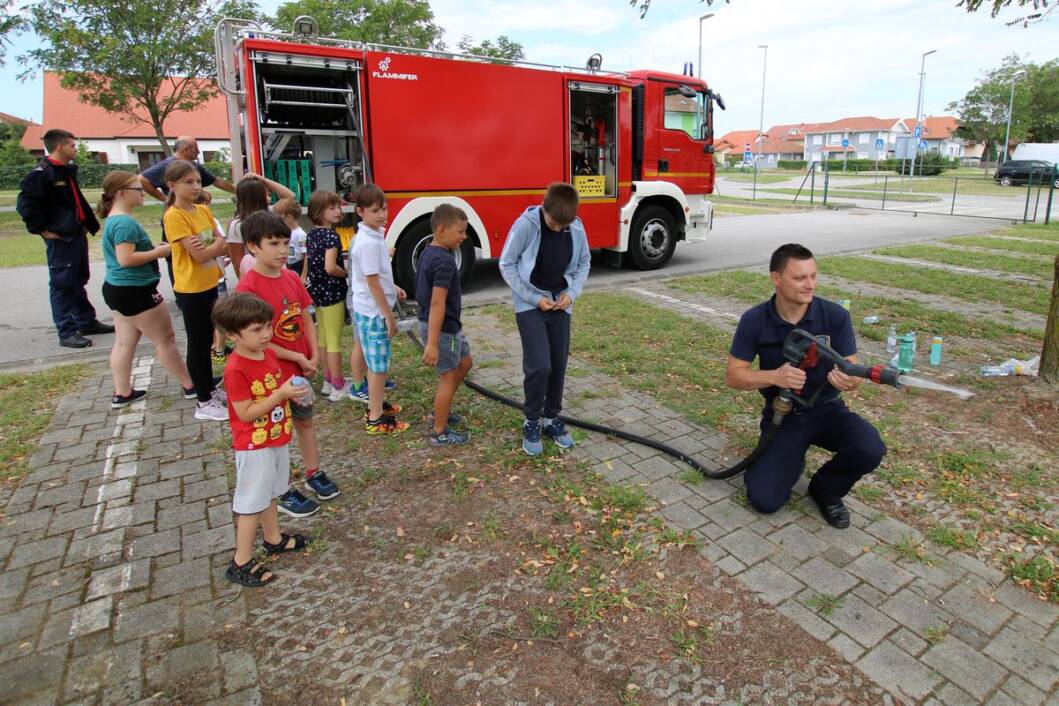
(873, 319)
(907, 353)
(309, 397)
(406, 325)
(994, 370)
(891, 340)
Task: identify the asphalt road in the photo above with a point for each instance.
(27, 336)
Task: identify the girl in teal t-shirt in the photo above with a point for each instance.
(130, 289)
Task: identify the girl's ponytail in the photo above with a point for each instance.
(112, 184)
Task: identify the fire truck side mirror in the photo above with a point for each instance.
(720, 101)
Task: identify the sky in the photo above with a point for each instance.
(825, 59)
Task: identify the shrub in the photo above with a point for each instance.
(791, 164)
(88, 175)
(927, 164)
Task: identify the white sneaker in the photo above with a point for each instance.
(221, 396)
(337, 394)
(211, 411)
(326, 388)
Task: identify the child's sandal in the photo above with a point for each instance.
(252, 574)
(280, 547)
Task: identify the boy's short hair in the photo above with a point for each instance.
(294, 210)
(560, 202)
(55, 137)
(447, 215)
(237, 312)
(319, 202)
(795, 251)
(368, 195)
(263, 224)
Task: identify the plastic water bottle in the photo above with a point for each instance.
(309, 397)
(935, 351)
(907, 353)
(873, 319)
(845, 303)
(994, 371)
(891, 340)
(405, 325)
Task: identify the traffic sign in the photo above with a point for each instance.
(845, 142)
(922, 144)
(879, 144)
(746, 147)
(748, 156)
(919, 130)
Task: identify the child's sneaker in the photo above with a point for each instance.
(326, 388)
(323, 486)
(188, 393)
(447, 438)
(119, 401)
(336, 394)
(454, 419)
(387, 408)
(295, 504)
(221, 396)
(358, 393)
(531, 437)
(556, 431)
(391, 384)
(213, 411)
(386, 424)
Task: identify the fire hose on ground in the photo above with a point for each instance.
(801, 349)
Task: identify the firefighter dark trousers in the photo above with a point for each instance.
(67, 276)
(857, 446)
(545, 348)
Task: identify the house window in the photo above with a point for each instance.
(863, 138)
(834, 138)
(893, 138)
(818, 139)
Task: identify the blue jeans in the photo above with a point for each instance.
(545, 350)
(857, 446)
(67, 276)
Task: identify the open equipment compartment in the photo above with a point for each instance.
(309, 115)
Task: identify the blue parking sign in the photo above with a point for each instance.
(845, 142)
(879, 144)
(918, 131)
(922, 144)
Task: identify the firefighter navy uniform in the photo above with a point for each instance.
(858, 449)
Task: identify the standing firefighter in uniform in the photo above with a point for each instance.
(828, 424)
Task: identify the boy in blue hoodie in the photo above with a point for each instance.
(545, 261)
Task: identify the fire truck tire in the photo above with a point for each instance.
(410, 249)
(653, 238)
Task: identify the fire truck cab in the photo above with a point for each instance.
(487, 135)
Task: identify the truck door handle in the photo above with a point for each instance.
(663, 165)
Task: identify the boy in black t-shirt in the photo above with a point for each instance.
(440, 301)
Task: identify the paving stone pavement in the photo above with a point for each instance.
(114, 545)
(957, 631)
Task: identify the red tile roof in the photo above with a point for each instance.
(63, 108)
(14, 119)
(935, 127)
(736, 140)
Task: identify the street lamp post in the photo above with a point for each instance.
(919, 109)
(1011, 104)
(761, 119)
(704, 17)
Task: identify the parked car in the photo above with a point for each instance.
(1020, 171)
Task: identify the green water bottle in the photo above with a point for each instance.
(906, 353)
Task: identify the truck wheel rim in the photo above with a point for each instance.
(654, 239)
(417, 252)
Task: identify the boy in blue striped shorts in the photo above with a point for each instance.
(374, 295)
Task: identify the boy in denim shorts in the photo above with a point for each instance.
(259, 411)
(440, 301)
(374, 295)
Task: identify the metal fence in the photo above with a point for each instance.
(964, 195)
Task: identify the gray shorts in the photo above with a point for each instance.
(261, 476)
(452, 348)
(301, 411)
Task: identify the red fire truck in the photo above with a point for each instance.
(487, 135)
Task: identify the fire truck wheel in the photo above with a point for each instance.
(653, 238)
(410, 249)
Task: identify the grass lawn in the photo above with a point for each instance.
(906, 314)
(27, 402)
(1014, 295)
(967, 185)
(19, 249)
(968, 258)
(762, 177)
(1001, 243)
(843, 193)
(777, 204)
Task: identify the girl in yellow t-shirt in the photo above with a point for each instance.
(197, 243)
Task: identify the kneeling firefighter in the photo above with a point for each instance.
(818, 415)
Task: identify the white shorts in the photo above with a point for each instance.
(261, 476)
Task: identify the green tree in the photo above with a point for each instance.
(137, 59)
(1042, 8)
(407, 23)
(10, 21)
(13, 154)
(503, 48)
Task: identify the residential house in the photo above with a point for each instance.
(732, 144)
(938, 132)
(861, 134)
(117, 138)
(782, 142)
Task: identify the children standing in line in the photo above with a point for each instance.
(326, 282)
(294, 342)
(545, 261)
(252, 195)
(260, 396)
(296, 259)
(374, 295)
(130, 289)
(440, 302)
(196, 243)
